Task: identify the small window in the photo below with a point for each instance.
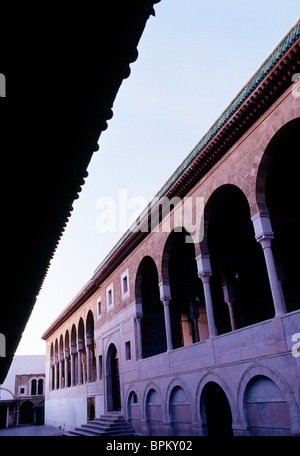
(110, 297)
(127, 351)
(100, 367)
(22, 390)
(99, 308)
(125, 284)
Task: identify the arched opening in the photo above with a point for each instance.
(113, 379)
(90, 344)
(56, 359)
(33, 387)
(134, 412)
(154, 413)
(74, 356)
(27, 413)
(180, 412)
(266, 409)
(152, 323)
(40, 387)
(52, 369)
(67, 359)
(187, 306)
(215, 411)
(278, 188)
(239, 283)
(81, 353)
(61, 361)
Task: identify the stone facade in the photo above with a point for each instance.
(22, 394)
(192, 331)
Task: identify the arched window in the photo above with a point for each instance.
(33, 387)
(40, 387)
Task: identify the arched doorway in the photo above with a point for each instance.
(113, 379)
(27, 413)
(215, 411)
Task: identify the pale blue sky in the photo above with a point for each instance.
(194, 57)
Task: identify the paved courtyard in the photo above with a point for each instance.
(31, 430)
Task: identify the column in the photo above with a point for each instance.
(73, 351)
(138, 320)
(88, 363)
(55, 375)
(61, 363)
(79, 367)
(165, 297)
(66, 370)
(194, 314)
(204, 272)
(229, 299)
(264, 235)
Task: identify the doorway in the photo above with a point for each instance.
(113, 379)
(216, 411)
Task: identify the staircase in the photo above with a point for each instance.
(112, 423)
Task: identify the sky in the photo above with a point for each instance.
(194, 57)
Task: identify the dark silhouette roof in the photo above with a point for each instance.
(63, 67)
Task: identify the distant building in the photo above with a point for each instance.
(23, 392)
(190, 325)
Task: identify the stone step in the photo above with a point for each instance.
(108, 424)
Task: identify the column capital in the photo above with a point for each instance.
(203, 265)
(262, 226)
(164, 290)
(166, 301)
(205, 276)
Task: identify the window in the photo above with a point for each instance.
(22, 390)
(40, 387)
(127, 351)
(125, 284)
(99, 308)
(100, 366)
(110, 297)
(33, 387)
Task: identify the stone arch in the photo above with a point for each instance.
(239, 283)
(263, 371)
(187, 305)
(212, 377)
(154, 409)
(264, 156)
(150, 309)
(26, 412)
(134, 409)
(277, 196)
(112, 377)
(90, 347)
(180, 408)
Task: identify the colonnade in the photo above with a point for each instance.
(264, 236)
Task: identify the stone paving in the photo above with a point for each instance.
(31, 430)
